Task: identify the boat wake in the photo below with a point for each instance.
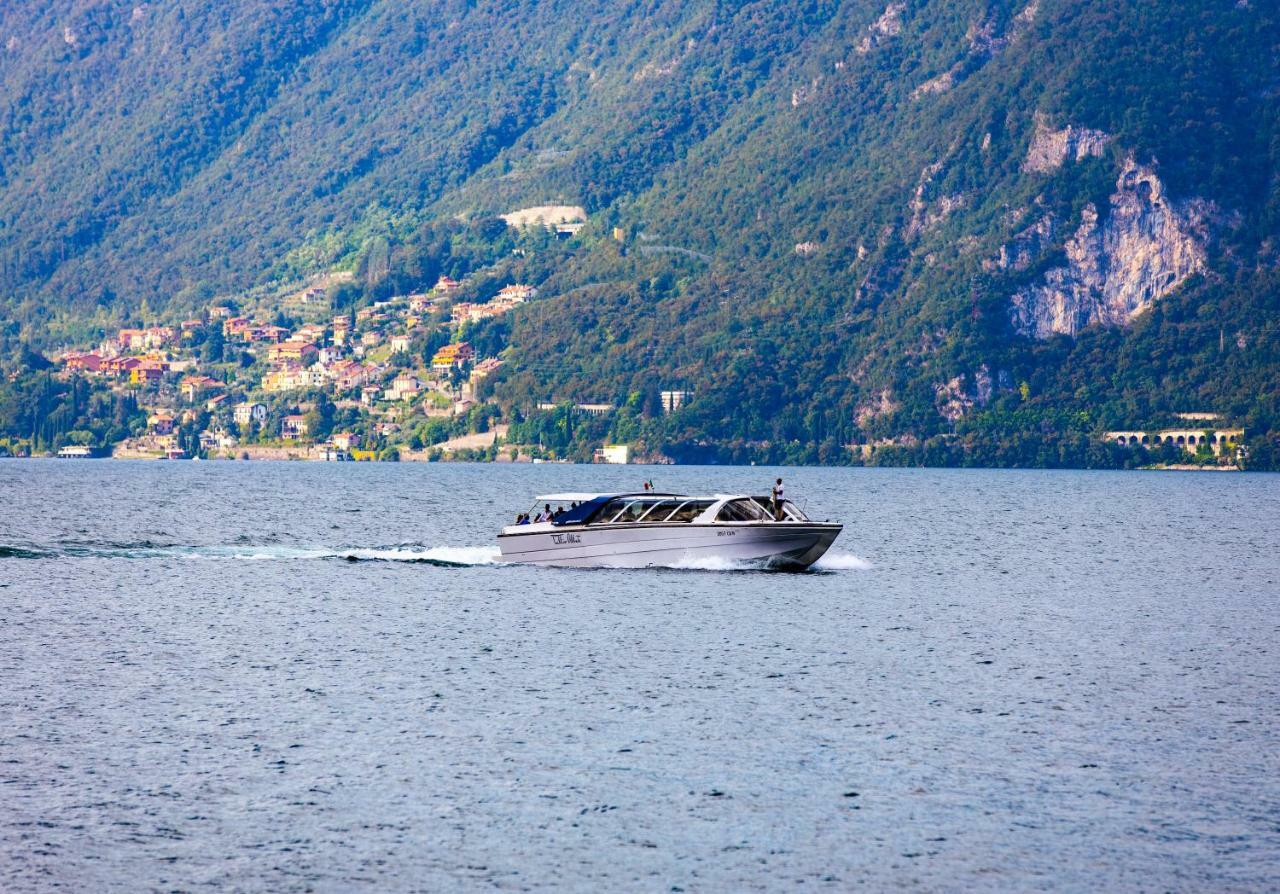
(838, 560)
(833, 561)
(412, 553)
(417, 553)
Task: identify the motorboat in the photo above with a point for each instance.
(637, 530)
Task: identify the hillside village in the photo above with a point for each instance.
(395, 380)
(387, 381)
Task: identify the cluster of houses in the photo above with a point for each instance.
(507, 299)
(366, 361)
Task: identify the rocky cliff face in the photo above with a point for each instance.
(1119, 264)
(1050, 148)
(1027, 247)
(888, 25)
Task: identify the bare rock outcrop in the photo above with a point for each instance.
(879, 404)
(1028, 246)
(952, 399)
(925, 212)
(806, 93)
(1117, 266)
(985, 42)
(1050, 149)
(888, 25)
(956, 398)
(939, 84)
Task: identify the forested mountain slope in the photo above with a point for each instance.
(966, 227)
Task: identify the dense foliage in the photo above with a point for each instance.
(154, 156)
(40, 413)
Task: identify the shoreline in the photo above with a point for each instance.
(265, 454)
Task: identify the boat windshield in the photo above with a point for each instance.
(793, 512)
(790, 511)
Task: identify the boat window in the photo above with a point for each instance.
(660, 510)
(741, 511)
(689, 510)
(793, 512)
(606, 512)
(633, 511)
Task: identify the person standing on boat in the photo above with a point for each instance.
(777, 495)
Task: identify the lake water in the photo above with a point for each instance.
(289, 677)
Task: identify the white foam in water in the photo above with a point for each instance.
(709, 563)
(832, 561)
(454, 555)
(835, 560)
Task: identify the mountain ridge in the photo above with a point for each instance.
(839, 220)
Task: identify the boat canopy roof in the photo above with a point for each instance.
(569, 497)
(588, 497)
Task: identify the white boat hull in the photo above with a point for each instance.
(792, 545)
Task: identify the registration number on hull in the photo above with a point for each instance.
(559, 539)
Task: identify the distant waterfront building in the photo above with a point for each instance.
(312, 332)
(298, 351)
(160, 422)
(84, 362)
(674, 400)
(614, 454)
(249, 412)
(485, 368)
(193, 386)
(586, 409)
(452, 355)
(516, 293)
(404, 386)
(147, 371)
(1189, 439)
(293, 427)
(550, 216)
